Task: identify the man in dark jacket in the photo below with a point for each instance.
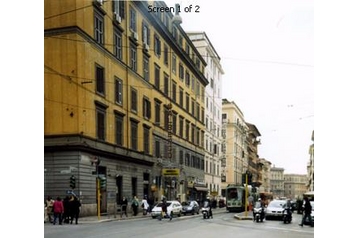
(75, 205)
(165, 210)
(307, 209)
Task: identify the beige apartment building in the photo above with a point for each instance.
(234, 147)
(277, 182)
(213, 93)
(294, 186)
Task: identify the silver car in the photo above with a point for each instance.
(174, 208)
(275, 209)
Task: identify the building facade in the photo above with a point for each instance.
(295, 185)
(213, 111)
(234, 146)
(255, 167)
(124, 104)
(310, 167)
(277, 182)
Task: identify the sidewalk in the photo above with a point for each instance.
(117, 217)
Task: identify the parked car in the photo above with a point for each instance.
(275, 209)
(190, 207)
(306, 221)
(173, 207)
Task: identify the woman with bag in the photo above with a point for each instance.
(145, 205)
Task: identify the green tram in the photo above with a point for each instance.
(235, 197)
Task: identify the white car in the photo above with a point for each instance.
(275, 209)
(174, 208)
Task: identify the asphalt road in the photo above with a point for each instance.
(222, 225)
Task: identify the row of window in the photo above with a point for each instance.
(146, 103)
(118, 49)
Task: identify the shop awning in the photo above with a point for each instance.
(202, 189)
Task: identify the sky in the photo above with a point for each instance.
(267, 54)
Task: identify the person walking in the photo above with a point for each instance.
(135, 204)
(123, 203)
(49, 208)
(58, 210)
(145, 205)
(67, 210)
(164, 211)
(75, 205)
(307, 209)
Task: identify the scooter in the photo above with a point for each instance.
(206, 213)
(259, 214)
(287, 215)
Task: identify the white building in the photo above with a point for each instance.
(213, 139)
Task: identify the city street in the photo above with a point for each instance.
(223, 224)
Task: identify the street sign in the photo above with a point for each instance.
(170, 172)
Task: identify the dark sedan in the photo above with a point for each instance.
(190, 207)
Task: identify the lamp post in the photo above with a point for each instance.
(246, 190)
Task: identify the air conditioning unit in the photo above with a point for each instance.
(117, 17)
(135, 35)
(146, 46)
(99, 2)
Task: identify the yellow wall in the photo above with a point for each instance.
(70, 74)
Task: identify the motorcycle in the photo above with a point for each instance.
(206, 213)
(259, 214)
(287, 215)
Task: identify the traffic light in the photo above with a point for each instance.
(72, 182)
(103, 182)
(249, 178)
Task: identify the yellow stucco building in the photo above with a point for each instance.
(123, 85)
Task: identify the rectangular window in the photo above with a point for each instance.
(181, 126)
(133, 20)
(192, 133)
(174, 64)
(118, 91)
(119, 129)
(157, 76)
(145, 33)
(202, 114)
(181, 96)
(117, 44)
(174, 126)
(187, 130)
(100, 82)
(118, 7)
(181, 157)
(166, 119)
(157, 112)
(181, 72)
(146, 139)
(174, 91)
(193, 83)
(198, 111)
(101, 123)
(133, 57)
(98, 28)
(157, 46)
(187, 102)
(146, 108)
(134, 135)
(193, 107)
(157, 149)
(166, 53)
(187, 78)
(166, 84)
(134, 100)
(146, 68)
